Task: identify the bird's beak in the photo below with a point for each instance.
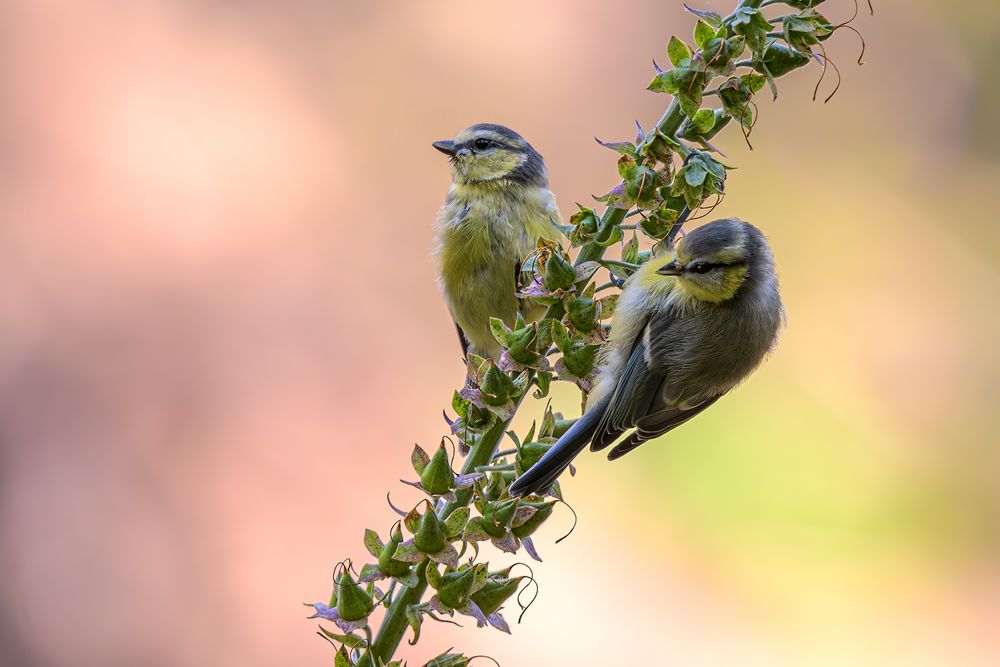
(670, 269)
(446, 147)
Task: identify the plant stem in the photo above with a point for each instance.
(394, 624)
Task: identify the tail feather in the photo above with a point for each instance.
(547, 469)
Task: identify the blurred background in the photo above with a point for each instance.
(221, 334)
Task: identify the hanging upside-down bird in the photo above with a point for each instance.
(498, 207)
(685, 332)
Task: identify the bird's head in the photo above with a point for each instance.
(713, 261)
(493, 155)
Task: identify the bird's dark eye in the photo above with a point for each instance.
(482, 144)
(701, 267)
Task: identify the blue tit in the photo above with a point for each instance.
(685, 332)
(498, 207)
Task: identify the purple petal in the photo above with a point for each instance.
(498, 622)
(325, 611)
(467, 480)
(473, 610)
(529, 546)
(474, 396)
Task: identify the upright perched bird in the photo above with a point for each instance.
(498, 207)
(685, 332)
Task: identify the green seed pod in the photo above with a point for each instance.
(478, 417)
(559, 273)
(386, 563)
(437, 477)
(585, 220)
(580, 360)
(496, 386)
(781, 60)
(489, 525)
(521, 344)
(496, 591)
(429, 536)
(495, 488)
(529, 453)
(499, 516)
(353, 602)
(535, 520)
(582, 313)
(455, 587)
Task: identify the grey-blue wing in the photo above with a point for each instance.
(632, 389)
(647, 392)
(656, 424)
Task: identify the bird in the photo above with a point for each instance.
(685, 332)
(497, 209)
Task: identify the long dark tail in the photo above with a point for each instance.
(547, 469)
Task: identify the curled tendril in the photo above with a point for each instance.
(487, 657)
(824, 59)
(708, 211)
(454, 450)
(344, 565)
(573, 527)
(531, 580)
(861, 37)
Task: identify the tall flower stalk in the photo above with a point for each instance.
(668, 175)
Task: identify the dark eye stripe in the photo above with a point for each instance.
(471, 145)
(705, 267)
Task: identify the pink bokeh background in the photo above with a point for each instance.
(221, 334)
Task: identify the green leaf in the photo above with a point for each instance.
(560, 336)
(544, 380)
(419, 458)
(460, 406)
(714, 167)
(351, 641)
(703, 121)
(372, 542)
(414, 620)
(455, 523)
(754, 82)
(665, 82)
(690, 101)
(623, 147)
(500, 331)
(677, 51)
(631, 252)
(703, 33)
(342, 658)
(714, 18)
(695, 174)
(433, 576)
(607, 306)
